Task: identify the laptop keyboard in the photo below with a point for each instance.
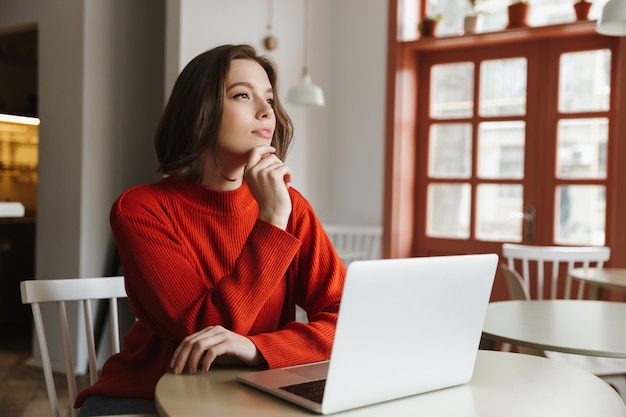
(312, 390)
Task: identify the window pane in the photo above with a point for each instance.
(503, 87)
(581, 151)
(499, 212)
(493, 13)
(580, 214)
(452, 90)
(501, 150)
(585, 81)
(450, 151)
(448, 210)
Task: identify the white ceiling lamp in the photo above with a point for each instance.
(612, 22)
(305, 93)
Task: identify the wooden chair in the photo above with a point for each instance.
(547, 266)
(355, 242)
(61, 292)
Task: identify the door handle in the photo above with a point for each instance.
(529, 223)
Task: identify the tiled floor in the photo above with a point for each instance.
(22, 387)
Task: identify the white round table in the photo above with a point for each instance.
(503, 384)
(586, 327)
(611, 278)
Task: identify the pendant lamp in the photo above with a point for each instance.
(270, 42)
(612, 22)
(305, 93)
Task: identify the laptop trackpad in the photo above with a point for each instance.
(312, 371)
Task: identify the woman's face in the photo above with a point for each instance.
(248, 116)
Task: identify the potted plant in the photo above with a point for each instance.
(581, 7)
(518, 14)
(428, 25)
(470, 20)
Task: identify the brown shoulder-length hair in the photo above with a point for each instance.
(190, 122)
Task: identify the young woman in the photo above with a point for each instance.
(217, 254)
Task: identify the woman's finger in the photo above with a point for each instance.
(258, 153)
(209, 347)
(183, 352)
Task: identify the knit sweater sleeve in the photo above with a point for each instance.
(316, 279)
(168, 286)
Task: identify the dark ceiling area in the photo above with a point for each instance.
(20, 47)
(18, 72)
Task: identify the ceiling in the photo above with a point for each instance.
(18, 72)
(19, 47)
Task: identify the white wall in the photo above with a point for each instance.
(100, 96)
(337, 157)
(100, 86)
(14, 14)
(122, 89)
(357, 143)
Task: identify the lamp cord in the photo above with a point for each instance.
(305, 52)
(270, 15)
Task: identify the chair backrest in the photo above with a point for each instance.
(514, 283)
(60, 292)
(355, 242)
(551, 264)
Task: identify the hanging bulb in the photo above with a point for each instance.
(305, 93)
(270, 42)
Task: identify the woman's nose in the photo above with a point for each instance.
(266, 110)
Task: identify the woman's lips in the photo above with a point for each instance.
(265, 133)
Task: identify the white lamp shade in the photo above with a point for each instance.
(612, 22)
(305, 93)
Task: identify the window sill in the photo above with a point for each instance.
(506, 36)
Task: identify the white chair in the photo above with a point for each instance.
(60, 292)
(549, 265)
(544, 264)
(352, 243)
(514, 284)
(355, 242)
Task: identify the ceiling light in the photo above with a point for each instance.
(305, 93)
(612, 22)
(11, 118)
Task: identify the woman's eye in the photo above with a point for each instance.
(270, 101)
(241, 95)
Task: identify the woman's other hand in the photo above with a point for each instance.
(214, 344)
(268, 178)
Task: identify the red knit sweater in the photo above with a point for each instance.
(195, 257)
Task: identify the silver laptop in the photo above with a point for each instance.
(405, 326)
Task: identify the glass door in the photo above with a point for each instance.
(513, 145)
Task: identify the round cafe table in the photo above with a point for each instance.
(586, 327)
(503, 384)
(610, 278)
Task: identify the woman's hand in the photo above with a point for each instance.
(268, 178)
(214, 344)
